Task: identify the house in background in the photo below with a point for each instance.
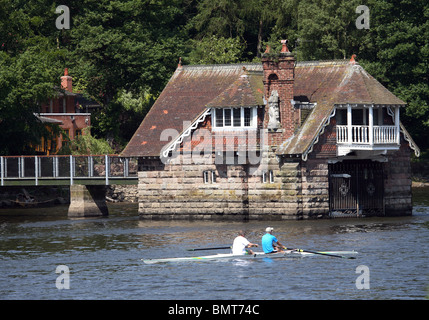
(279, 139)
(70, 111)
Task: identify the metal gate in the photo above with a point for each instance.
(356, 189)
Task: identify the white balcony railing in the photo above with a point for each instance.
(385, 134)
(361, 134)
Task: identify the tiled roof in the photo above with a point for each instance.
(340, 82)
(327, 84)
(193, 88)
(183, 99)
(247, 90)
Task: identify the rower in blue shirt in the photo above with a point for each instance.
(270, 244)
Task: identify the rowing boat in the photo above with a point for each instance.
(255, 255)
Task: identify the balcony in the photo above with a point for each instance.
(360, 135)
(364, 135)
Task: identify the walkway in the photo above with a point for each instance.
(67, 170)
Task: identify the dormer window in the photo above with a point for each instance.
(234, 118)
(304, 108)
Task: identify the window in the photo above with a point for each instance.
(219, 118)
(209, 176)
(267, 176)
(227, 117)
(65, 137)
(237, 117)
(247, 117)
(231, 118)
(53, 145)
(206, 176)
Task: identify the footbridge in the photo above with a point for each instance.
(87, 176)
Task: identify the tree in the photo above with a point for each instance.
(326, 29)
(86, 144)
(397, 54)
(246, 21)
(214, 50)
(25, 81)
(30, 67)
(124, 45)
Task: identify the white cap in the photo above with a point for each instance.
(269, 229)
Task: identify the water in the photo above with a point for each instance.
(103, 256)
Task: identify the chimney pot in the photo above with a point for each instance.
(284, 47)
(66, 81)
(267, 50)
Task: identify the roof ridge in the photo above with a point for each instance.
(222, 65)
(259, 64)
(323, 62)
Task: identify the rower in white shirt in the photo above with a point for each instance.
(241, 245)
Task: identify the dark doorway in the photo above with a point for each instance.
(356, 188)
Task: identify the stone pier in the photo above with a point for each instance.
(87, 201)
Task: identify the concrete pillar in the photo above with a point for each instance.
(87, 201)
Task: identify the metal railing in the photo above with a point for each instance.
(98, 169)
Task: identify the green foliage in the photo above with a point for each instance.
(86, 144)
(122, 53)
(26, 80)
(124, 46)
(214, 50)
(326, 29)
(396, 52)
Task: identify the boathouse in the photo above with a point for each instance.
(279, 139)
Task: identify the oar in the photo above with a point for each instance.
(322, 253)
(216, 248)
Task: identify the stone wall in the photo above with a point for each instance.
(315, 188)
(122, 193)
(397, 183)
(239, 192)
(279, 198)
(179, 192)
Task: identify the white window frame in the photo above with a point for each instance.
(253, 115)
(206, 176)
(209, 176)
(267, 176)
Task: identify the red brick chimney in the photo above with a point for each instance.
(66, 81)
(279, 73)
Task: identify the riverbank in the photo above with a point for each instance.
(420, 174)
(419, 184)
(44, 196)
(31, 197)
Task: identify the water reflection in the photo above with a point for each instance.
(368, 227)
